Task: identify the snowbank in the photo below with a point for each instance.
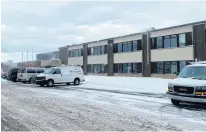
(127, 84)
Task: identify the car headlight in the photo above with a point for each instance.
(200, 91)
(170, 87)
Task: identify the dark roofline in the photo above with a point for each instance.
(47, 52)
(182, 25)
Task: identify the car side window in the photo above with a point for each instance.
(57, 71)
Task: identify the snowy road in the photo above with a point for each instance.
(30, 107)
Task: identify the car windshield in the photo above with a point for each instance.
(195, 72)
(49, 71)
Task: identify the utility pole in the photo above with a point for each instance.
(32, 54)
(27, 55)
(22, 56)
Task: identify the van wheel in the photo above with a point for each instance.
(50, 83)
(68, 83)
(31, 80)
(76, 81)
(175, 102)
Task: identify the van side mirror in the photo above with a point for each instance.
(177, 73)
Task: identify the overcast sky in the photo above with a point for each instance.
(47, 25)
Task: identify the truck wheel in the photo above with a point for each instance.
(50, 83)
(76, 81)
(175, 102)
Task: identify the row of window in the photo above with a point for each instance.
(97, 50)
(96, 68)
(127, 46)
(76, 53)
(128, 68)
(161, 67)
(168, 67)
(176, 40)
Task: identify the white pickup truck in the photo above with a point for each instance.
(190, 85)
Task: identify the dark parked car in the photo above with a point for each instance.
(12, 74)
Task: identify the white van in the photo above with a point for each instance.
(190, 85)
(58, 75)
(28, 74)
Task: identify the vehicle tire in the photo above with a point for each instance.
(76, 81)
(14, 80)
(50, 83)
(31, 80)
(175, 102)
(68, 83)
(23, 82)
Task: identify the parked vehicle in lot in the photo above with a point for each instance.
(58, 75)
(12, 74)
(190, 85)
(28, 74)
(4, 75)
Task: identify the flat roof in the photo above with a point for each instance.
(182, 25)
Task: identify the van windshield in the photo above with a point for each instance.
(49, 71)
(194, 72)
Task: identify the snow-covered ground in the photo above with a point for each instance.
(128, 84)
(42, 108)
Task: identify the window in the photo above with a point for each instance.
(120, 68)
(102, 49)
(160, 67)
(40, 70)
(70, 53)
(182, 64)
(102, 68)
(98, 50)
(31, 70)
(159, 42)
(137, 68)
(174, 41)
(167, 68)
(167, 42)
(135, 45)
(92, 50)
(115, 68)
(153, 43)
(129, 67)
(154, 67)
(119, 47)
(174, 67)
(182, 40)
(89, 51)
(81, 52)
(89, 69)
(129, 46)
(125, 68)
(125, 49)
(57, 71)
(115, 48)
(105, 49)
(139, 45)
(189, 38)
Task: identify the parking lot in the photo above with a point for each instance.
(30, 107)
